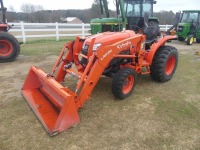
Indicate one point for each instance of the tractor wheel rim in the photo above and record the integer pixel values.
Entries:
(5, 48)
(170, 65)
(191, 40)
(128, 84)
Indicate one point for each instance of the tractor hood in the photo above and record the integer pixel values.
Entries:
(108, 38)
(106, 21)
(183, 29)
(184, 24)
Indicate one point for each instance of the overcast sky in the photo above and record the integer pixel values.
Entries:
(174, 5)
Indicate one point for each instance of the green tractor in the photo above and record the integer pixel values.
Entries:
(189, 26)
(130, 16)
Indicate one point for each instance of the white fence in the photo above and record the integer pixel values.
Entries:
(37, 30)
(165, 27)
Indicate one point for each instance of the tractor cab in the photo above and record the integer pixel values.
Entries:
(135, 12)
(189, 26)
(130, 16)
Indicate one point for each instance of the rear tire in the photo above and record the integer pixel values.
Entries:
(190, 39)
(164, 64)
(123, 83)
(9, 47)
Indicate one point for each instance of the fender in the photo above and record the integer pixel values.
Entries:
(160, 42)
(4, 27)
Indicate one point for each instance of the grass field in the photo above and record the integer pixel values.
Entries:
(157, 116)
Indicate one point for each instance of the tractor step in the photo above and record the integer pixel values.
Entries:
(53, 104)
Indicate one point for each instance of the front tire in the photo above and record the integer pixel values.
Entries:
(9, 47)
(123, 83)
(164, 64)
(190, 39)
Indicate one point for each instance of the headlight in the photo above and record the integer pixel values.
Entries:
(96, 46)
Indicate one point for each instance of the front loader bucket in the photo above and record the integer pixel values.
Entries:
(53, 104)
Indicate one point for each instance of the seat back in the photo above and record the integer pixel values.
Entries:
(151, 33)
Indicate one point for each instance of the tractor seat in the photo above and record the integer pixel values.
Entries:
(151, 33)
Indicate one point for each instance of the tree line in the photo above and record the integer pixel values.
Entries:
(37, 14)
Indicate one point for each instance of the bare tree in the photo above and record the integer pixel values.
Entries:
(165, 17)
(30, 10)
(56, 16)
(39, 14)
(39, 8)
(95, 9)
(11, 9)
(27, 8)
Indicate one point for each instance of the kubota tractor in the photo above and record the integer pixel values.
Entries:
(118, 55)
(9, 45)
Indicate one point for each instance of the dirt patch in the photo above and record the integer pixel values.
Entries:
(13, 74)
(184, 48)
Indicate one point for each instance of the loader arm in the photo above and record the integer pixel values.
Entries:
(73, 48)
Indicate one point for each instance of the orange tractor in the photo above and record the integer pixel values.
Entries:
(118, 55)
(9, 45)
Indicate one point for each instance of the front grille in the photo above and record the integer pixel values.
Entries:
(180, 28)
(106, 28)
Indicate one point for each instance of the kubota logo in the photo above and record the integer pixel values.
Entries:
(106, 54)
(120, 46)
